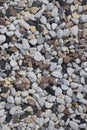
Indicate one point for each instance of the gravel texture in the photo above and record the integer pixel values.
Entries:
(43, 64)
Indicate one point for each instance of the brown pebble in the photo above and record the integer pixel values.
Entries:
(38, 112)
(44, 79)
(31, 102)
(1, 83)
(13, 49)
(57, 126)
(29, 120)
(16, 120)
(52, 80)
(66, 59)
(2, 21)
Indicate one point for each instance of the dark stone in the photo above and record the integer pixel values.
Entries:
(50, 90)
(4, 89)
(84, 2)
(61, 2)
(64, 67)
(8, 117)
(36, 24)
(2, 64)
(85, 79)
(54, 60)
(35, 109)
(26, 114)
(54, 108)
(37, 4)
(1, 14)
(7, 72)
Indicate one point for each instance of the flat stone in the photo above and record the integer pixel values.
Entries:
(32, 76)
(2, 39)
(73, 125)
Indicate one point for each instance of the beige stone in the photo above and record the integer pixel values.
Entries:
(27, 16)
(45, 31)
(33, 29)
(76, 15)
(34, 10)
(31, 37)
(29, 120)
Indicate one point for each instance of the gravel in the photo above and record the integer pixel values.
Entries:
(43, 65)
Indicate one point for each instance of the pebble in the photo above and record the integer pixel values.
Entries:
(18, 100)
(40, 39)
(24, 24)
(32, 76)
(58, 91)
(74, 30)
(10, 99)
(5, 127)
(38, 56)
(24, 94)
(54, 12)
(61, 108)
(33, 42)
(60, 33)
(57, 74)
(2, 112)
(48, 105)
(84, 18)
(2, 105)
(54, 25)
(43, 20)
(25, 44)
(73, 125)
(2, 39)
(13, 63)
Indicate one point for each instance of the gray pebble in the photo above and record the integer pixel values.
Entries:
(2, 39)
(25, 44)
(31, 75)
(10, 99)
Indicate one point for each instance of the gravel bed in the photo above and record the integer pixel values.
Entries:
(43, 64)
